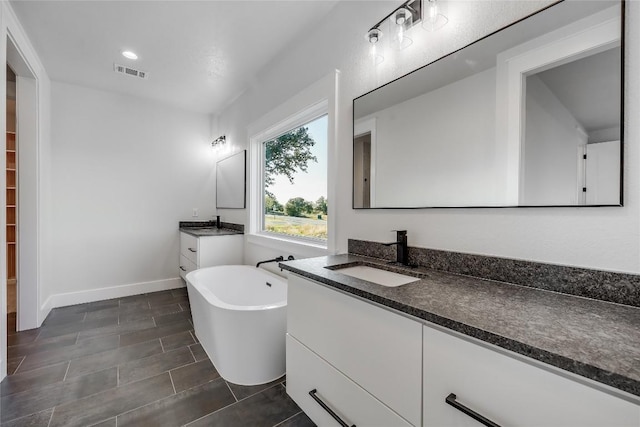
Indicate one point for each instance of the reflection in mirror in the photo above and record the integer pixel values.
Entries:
(573, 111)
(529, 116)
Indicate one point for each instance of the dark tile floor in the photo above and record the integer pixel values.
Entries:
(131, 361)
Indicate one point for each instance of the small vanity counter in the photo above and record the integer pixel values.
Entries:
(202, 244)
(209, 231)
(591, 338)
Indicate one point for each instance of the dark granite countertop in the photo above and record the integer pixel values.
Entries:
(595, 339)
(209, 231)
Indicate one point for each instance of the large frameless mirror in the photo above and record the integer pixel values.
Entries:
(528, 116)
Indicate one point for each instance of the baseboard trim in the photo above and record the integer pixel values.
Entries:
(45, 309)
(80, 297)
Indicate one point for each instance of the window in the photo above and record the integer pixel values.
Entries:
(302, 229)
(294, 182)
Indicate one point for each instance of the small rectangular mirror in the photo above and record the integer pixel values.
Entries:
(530, 115)
(231, 178)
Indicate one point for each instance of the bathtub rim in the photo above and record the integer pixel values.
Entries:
(212, 299)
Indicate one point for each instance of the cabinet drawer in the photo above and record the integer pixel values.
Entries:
(377, 349)
(186, 266)
(306, 371)
(189, 247)
(508, 391)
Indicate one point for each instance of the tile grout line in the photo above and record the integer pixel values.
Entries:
(172, 384)
(161, 346)
(256, 393)
(67, 371)
(191, 351)
(19, 364)
(168, 371)
(291, 417)
(157, 400)
(232, 393)
(51, 417)
(234, 403)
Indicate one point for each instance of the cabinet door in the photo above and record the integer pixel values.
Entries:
(377, 349)
(353, 405)
(220, 250)
(508, 391)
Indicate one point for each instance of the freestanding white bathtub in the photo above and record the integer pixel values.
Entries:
(239, 316)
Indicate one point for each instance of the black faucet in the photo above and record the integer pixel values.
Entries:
(277, 259)
(218, 223)
(402, 254)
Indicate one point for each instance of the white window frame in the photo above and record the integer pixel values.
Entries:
(310, 104)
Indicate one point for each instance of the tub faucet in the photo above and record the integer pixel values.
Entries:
(402, 253)
(277, 259)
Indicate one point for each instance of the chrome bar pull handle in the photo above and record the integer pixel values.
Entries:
(451, 400)
(335, 416)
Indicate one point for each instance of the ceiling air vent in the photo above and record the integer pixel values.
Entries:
(130, 71)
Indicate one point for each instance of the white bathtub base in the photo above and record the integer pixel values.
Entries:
(245, 344)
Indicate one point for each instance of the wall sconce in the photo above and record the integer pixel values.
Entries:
(428, 12)
(219, 142)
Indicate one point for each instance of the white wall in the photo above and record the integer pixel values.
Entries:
(606, 238)
(125, 171)
(426, 158)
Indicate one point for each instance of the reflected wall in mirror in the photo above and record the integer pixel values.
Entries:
(528, 116)
(231, 181)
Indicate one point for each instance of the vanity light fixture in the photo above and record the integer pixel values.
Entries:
(219, 142)
(399, 22)
(428, 12)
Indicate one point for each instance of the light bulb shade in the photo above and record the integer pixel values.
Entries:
(399, 24)
(434, 15)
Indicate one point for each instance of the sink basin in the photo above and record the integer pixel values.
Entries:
(378, 276)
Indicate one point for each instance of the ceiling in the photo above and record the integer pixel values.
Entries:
(199, 55)
(589, 88)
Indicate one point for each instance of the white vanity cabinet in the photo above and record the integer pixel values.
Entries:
(365, 363)
(509, 391)
(208, 251)
(373, 367)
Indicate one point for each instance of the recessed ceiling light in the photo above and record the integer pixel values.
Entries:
(129, 55)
